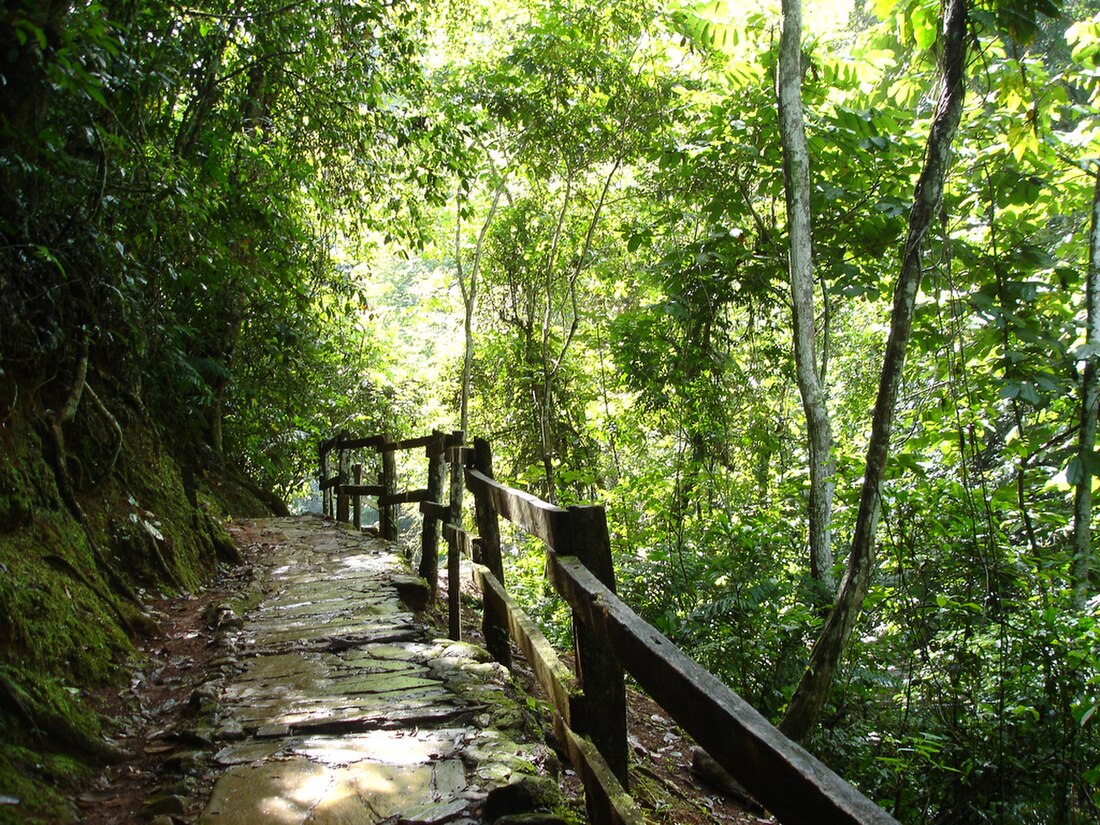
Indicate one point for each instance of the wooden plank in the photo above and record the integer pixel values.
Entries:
(601, 675)
(463, 539)
(541, 519)
(362, 443)
(782, 775)
(556, 679)
(356, 499)
(388, 513)
(605, 800)
(454, 586)
(407, 497)
(329, 483)
(458, 454)
(363, 489)
(407, 444)
(435, 510)
(343, 513)
(488, 527)
(429, 529)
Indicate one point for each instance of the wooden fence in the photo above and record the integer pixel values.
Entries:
(608, 637)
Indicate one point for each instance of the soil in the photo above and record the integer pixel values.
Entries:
(154, 722)
(153, 715)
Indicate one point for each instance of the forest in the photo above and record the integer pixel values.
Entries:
(806, 293)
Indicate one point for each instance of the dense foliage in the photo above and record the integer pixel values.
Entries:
(268, 220)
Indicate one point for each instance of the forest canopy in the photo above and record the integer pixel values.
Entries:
(838, 392)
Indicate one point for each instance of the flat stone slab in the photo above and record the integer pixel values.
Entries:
(344, 708)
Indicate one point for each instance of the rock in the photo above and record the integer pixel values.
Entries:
(434, 813)
(184, 762)
(413, 591)
(525, 795)
(164, 804)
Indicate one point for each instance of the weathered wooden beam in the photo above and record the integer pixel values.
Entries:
(488, 527)
(782, 775)
(356, 498)
(434, 510)
(323, 479)
(407, 444)
(601, 676)
(405, 497)
(456, 462)
(362, 489)
(458, 454)
(373, 441)
(547, 522)
(606, 802)
(388, 513)
(454, 587)
(556, 679)
(342, 501)
(429, 533)
(329, 483)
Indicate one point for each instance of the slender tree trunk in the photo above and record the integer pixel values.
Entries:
(796, 176)
(809, 697)
(1090, 394)
(469, 290)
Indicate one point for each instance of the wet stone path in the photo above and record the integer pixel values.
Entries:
(340, 706)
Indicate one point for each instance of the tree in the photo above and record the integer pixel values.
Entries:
(811, 376)
(812, 690)
(1090, 395)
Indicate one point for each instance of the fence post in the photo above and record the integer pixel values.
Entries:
(429, 538)
(341, 496)
(493, 626)
(601, 677)
(357, 500)
(454, 516)
(326, 492)
(388, 514)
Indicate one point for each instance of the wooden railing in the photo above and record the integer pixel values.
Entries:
(590, 706)
(348, 489)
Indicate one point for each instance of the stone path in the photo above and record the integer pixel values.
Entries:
(339, 706)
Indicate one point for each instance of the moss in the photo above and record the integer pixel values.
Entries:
(55, 614)
(38, 784)
(69, 582)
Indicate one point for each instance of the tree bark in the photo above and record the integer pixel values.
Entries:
(1090, 395)
(813, 688)
(796, 178)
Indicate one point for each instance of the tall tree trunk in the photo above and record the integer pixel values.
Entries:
(1090, 395)
(796, 178)
(809, 697)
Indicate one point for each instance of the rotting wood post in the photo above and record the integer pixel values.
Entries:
(454, 559)
(357, 500)
(493, 626)
(429, 538)
(601, 677)
(341, 496)
(388, 513)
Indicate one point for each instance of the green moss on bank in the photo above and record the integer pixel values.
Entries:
(72, 581)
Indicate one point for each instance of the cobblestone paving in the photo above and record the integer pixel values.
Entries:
(341, 707)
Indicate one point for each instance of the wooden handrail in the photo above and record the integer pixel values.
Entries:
(609, 638)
